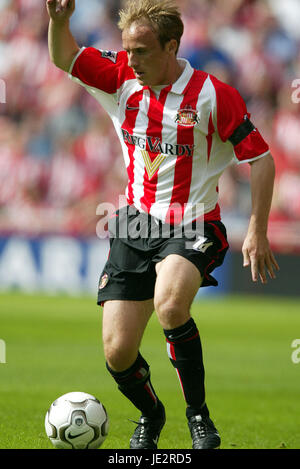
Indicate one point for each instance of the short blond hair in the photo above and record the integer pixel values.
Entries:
(163, 16)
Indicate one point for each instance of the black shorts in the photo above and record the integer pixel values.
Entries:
(138, 242)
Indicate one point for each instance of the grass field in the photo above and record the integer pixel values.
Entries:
(53, 346)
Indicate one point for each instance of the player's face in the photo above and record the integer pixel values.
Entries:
(152, 64)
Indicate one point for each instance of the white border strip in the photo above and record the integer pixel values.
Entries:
(251, 159)
(74, 60)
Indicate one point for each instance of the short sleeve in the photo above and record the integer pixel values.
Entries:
(233, 123)
(104, 70)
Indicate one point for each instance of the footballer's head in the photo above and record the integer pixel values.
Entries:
(151, 33)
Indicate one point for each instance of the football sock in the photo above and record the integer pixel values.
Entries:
(135, 384)
(185, 353)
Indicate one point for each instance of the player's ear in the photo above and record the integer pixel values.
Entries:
(172, 46)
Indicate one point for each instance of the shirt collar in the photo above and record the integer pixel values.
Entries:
(181, 84)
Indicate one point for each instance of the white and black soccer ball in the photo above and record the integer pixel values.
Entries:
(77, 420)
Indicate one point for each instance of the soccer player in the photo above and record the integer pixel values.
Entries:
(179, 129)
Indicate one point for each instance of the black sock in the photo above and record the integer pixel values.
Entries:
(185, 353)
(135, 384)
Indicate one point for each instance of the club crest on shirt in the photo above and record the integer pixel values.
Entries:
(187, 117)
(108, 54)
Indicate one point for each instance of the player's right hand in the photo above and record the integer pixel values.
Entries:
(60, 10)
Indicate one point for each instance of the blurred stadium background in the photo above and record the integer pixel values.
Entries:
(60, 158)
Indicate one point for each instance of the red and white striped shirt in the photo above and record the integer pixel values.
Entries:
(175, 144)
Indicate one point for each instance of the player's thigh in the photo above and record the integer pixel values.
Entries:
(123, 325)
(177, 283)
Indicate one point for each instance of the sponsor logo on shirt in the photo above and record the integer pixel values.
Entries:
(155, 145)
(152, 166)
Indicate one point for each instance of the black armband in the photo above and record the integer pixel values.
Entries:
(241, 132)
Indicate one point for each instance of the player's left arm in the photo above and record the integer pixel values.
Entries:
(233, 123)
(256, 249)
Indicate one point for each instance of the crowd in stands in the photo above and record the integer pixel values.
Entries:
(59, 155)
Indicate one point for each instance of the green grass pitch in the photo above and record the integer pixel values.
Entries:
(53, 346)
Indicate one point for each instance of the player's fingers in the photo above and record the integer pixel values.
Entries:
(66, 3)
(269, 267)
(271, 272)
(274, 262)
(246, 258)
(54, 6)
(51, 4)
(254, 268)
(261, 269)
(60, 8)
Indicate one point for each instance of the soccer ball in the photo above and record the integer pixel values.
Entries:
(77, 420)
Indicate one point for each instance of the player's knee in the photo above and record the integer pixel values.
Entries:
(171, 312)
(119, 354)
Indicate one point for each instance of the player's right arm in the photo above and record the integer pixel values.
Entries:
(62, 46)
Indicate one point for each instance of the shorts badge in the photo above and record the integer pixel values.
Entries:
(187, 117)
(103, 281)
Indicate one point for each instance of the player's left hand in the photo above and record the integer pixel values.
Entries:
(257, 254)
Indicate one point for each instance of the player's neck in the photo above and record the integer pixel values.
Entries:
(175, 70)
(179, 70)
